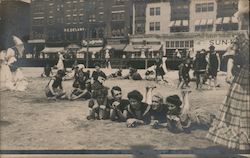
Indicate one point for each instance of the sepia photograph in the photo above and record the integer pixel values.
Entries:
(124, 78)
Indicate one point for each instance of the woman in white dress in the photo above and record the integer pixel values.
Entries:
(60, 65)
(11, 77)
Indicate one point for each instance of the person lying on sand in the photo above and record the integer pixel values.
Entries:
(117, 105)
(137, 111)
(133, 74)
(117, 74)
(54, 89)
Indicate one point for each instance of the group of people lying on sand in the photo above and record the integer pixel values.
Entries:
(156, 111)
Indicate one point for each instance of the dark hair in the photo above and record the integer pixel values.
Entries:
(135, 95)
(61, 72)
(115, 88)
(211, 47)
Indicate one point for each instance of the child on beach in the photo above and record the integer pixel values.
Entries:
(54, 89)
(98, 72)
(184, 77)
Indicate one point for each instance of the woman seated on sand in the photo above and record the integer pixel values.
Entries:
(82, 85)
(54, 89)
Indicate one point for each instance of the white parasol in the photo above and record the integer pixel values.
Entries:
(18, 45)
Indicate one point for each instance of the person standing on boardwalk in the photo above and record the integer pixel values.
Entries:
(213, 65)
(231, 127)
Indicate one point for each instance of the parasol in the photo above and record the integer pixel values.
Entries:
(18, 45)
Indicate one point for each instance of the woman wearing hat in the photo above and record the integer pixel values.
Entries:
(231, 127)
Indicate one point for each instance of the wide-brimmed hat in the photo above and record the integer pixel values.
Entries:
(80, 66)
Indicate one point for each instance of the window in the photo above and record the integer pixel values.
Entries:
(204, 7)
(167, 44)
(181, 43)
(120, 2)
(151, 26)
(210, 7)
(177, 43)
(157, 26)
(154, 26)
(118, 16)
(152, 10)
(172, 43)
(157, 11)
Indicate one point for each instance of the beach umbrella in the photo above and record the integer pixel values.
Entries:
(18, 45)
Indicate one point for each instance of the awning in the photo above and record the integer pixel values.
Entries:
(178, 23)
(203, 22)
(91, 49)
(116, 46)
(197, 22)
(171, 24)
(185, 22)
(210, 22)
(226, 20)
(139, 48)
(218, 21)
(234, 20)
(36, 41)
(73, 46)
(52, 49)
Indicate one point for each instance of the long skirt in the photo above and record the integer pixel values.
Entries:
(232, 127)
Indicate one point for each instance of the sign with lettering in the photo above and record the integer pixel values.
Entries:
(219, 44)
(74, 29)
(98, 42)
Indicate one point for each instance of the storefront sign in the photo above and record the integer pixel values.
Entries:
(219, 44)
(93, 42)
(75, 29)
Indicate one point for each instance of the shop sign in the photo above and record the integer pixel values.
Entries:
(75, 29)
(93, 42)
(219, 44)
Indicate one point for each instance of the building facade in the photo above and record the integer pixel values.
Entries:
(14, 20)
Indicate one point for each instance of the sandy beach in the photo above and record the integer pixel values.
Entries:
(28, 121)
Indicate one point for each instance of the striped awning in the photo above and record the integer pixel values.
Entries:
(177, 23)
(139, 48)
(115, 46)
(219, 21)
(234, 20)
(197, 22)
(184, 22)
(91, 49)
(52, 49)
(210, 22)
(226, 20)
(171, 23)
(203, 22)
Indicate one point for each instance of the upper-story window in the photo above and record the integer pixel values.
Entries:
(154, 26)
(155, 11)
(120, 2)
(204, 7)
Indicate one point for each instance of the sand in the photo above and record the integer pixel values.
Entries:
(30, 122)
